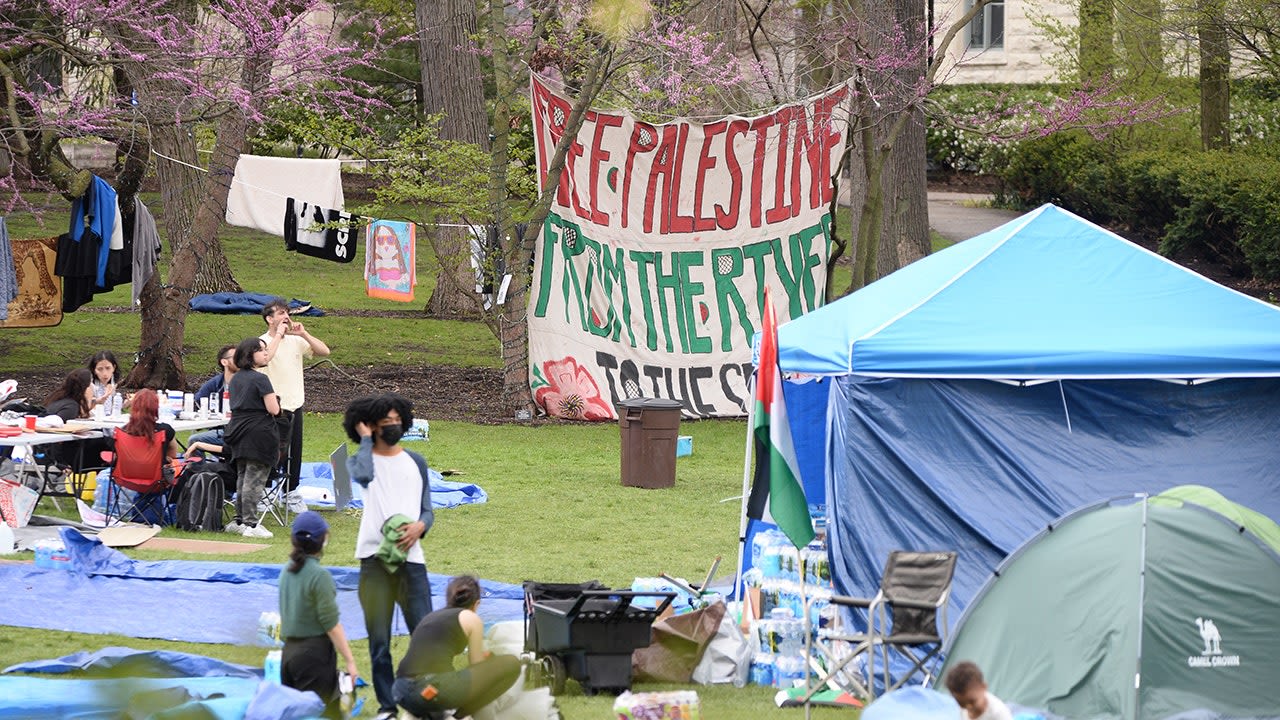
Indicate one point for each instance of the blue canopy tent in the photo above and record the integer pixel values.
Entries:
(975, 395)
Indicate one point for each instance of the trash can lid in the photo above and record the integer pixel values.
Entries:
(650, 403)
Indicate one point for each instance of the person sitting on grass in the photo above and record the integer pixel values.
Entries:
(968, 687)
(426, 683)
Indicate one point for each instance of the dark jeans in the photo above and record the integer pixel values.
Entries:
(380, 592)
(464, 691)
(312, 664)
(293, 449)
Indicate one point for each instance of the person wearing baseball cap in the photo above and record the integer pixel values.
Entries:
(313, 637)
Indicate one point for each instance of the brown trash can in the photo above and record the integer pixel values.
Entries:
(649, 428)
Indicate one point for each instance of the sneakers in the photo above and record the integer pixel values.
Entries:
(293, 500)
(256, 531)
(234, 528)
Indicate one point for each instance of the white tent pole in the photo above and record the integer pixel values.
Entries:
(746, 493)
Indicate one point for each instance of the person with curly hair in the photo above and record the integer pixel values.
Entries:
(397, 514)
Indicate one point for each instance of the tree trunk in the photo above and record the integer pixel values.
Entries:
(1215, 79)
(1097, 33)
(451, 84)
(195, 204)
(906, 217)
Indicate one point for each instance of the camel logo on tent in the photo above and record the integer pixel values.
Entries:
(1211, 655)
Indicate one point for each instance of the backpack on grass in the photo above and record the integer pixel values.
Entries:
(200, 501)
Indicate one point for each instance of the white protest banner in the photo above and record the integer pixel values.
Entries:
(650, 271)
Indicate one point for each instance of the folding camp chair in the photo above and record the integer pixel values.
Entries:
(903, 616)
(137, 464)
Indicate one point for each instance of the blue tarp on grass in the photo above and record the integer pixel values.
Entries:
(444, 493)
(126, 662)
(215, 698)
(187, 600)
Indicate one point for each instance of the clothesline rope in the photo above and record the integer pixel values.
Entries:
(276, 194)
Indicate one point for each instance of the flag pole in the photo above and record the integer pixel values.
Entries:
(746, 491)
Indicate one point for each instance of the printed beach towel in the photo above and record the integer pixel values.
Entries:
(389, 260)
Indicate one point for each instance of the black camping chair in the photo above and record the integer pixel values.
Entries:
(903, 617)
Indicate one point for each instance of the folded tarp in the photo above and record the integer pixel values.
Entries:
(216, 698)
(315, 484)
(212, 602)
(119, 662)
(246, 303)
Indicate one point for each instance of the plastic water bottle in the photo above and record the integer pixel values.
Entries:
(271, 667)
(347, 691)
(226, 403)
(762, 665)
(117, 405)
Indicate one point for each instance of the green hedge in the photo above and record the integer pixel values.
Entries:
(1220, 206)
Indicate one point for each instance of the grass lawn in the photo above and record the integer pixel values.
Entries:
(556, 509)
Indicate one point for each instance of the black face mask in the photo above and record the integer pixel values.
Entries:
(391, 434)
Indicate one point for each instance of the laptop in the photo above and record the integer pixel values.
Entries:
(341, 480)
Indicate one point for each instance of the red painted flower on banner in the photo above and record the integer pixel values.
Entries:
(571, 392)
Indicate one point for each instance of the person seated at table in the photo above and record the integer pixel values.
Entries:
(71, 400)
(426, 682)
(143, 423)
(211, 441)
(106, 375)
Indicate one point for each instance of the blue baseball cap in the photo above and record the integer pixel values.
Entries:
(310, 523)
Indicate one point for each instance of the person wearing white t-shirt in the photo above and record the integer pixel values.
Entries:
(969, 689)
(394, 481)
(289, 346)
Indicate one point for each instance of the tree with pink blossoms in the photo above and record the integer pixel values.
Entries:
(179, 85)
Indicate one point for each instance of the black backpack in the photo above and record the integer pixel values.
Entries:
(200, 501)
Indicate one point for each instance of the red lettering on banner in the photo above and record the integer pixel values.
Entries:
(677, 223)
(541, 98)
(729, 220)
(781, 210)
(644, 138)
(760, 126)
(705, 222)
(660, 171)
(599, 155)
(568, 197)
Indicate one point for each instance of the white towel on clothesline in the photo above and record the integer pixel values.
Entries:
(262, 184)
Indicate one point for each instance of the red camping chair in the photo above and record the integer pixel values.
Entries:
(138, 465)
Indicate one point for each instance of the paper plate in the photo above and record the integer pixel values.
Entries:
(7, 388)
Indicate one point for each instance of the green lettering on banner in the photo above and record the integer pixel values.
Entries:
(544, 280)
(802, 244)
(670, 282)
(690, 259)
(643, 260)
(726, 266)
(571, 246)
(593, 270)
(613, 274)
(802, 261)
(756, 252)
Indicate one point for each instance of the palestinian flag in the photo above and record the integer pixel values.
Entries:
(777, 476)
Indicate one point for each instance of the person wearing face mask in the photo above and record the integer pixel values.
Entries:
(393, 481)
(313, 637)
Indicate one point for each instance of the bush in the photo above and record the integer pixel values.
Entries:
(1220, 206)
(952, 146)
(1069, 169)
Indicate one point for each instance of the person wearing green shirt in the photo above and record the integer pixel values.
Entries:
(313, 637)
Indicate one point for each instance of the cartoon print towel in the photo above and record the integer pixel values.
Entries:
(389, 260)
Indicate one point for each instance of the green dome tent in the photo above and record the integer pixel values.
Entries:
(1142, 608)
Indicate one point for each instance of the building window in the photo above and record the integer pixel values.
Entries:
(986, 30)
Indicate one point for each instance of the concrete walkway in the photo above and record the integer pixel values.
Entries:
(960, 216)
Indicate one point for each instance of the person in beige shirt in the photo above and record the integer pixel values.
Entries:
(289, 346)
